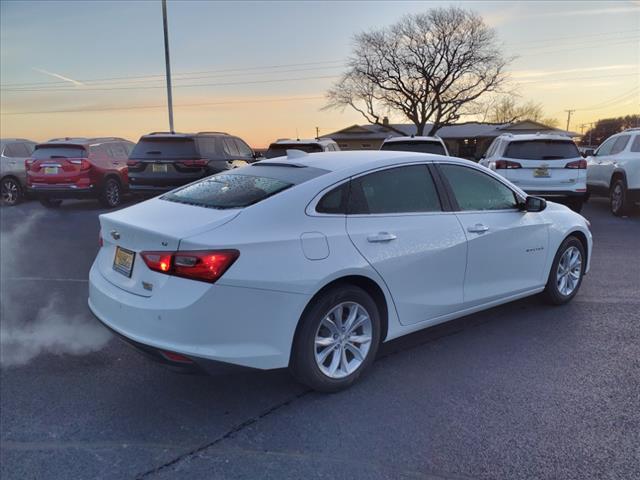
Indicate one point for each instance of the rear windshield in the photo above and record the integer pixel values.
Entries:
(165, 148)
(420, 147)
(280, 149)
(228, 191)
(542, 150)
(47, 152)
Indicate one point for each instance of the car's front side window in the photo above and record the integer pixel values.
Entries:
(475, 190)
(620, 144)
(605, 148)
(635, 146)
(408, 189)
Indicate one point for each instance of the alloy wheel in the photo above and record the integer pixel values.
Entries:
(113, 193)
(10, 192)
(616, 197)
(343, 340)
(569, 271)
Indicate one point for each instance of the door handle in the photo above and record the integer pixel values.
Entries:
(477, 228)
(381, 237)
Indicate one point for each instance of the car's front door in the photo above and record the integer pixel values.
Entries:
(396, 222)
(597, 165)
(507, 248)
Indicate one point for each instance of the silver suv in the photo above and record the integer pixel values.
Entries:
(13, 153)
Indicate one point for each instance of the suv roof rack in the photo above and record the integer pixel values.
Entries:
(633, 129)
(85, 139)
(214, 133)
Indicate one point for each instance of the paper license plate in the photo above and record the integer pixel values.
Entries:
(50, 170)
(123, 261)
(159, 168)
(541, 172)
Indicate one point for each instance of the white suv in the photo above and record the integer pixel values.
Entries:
(614, 170)
(546, 165)
(316, 145)
(415, 144)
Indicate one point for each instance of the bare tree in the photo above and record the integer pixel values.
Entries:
(427, 68)
(507, 110)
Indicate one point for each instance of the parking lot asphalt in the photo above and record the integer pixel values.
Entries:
(524, 390)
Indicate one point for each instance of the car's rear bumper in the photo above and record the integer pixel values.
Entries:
(207, 323)
(61, 191)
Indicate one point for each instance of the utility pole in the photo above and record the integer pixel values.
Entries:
(569, 112)
(167, 64)
(317, 133)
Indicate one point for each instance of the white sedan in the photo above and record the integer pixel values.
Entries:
(311, 261)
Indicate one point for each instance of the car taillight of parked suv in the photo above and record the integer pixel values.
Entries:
(79, 168)
(162, 161)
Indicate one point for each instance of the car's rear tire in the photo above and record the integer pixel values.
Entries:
(619, 200)
(337, 339)
(566, 272)
(111, 193)
(11, 191)
(50, 202)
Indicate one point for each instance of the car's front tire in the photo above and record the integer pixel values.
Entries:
(337, 339)
(11, 191)
(618, 198)
(566, 272)
(111, 194)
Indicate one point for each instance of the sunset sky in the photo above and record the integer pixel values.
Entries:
(260, 69)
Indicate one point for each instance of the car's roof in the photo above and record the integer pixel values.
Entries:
(4, 140)
(82, 140)
(355, 160)
(509, 137)
(414, 138)
(183, 135)
(303, 141)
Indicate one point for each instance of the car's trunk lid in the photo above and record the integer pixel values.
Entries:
(155, 225)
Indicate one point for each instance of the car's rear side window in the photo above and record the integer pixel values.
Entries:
(420, 147)
(228, 191)
(620, 144)
(635, 146)
(47, 152)
(406, 189)
(161, 148)
(335, 201)
(542, 150)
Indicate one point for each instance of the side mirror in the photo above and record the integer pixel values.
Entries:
(534, 204)
(589, 152)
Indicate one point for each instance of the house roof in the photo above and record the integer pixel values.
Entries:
(460, 130)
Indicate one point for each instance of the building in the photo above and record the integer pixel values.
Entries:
(466, 140)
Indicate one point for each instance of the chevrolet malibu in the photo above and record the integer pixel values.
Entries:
(311, 261)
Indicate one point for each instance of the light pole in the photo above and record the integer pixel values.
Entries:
(167, 64)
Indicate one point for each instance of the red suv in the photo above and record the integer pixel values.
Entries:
(79, 168)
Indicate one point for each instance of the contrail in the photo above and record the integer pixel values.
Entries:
(57, 75)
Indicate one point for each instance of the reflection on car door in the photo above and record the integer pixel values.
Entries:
(507, 247)
(396, 222)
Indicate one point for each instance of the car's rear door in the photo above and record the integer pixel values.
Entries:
(396, 221)
(507, 247)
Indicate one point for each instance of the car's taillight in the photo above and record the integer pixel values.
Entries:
(506, 164)
(132, 163)
(194, 163)
(203, 265)
(581, 164)
(27, 163)
(100, 241)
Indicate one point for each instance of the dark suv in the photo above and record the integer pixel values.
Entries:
(79, 168)
(162, 161)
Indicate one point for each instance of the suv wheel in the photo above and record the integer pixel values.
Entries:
(50, 202)
(566, 272)
(337, 339)
(111, 195)
(11, 191)
(618, 198)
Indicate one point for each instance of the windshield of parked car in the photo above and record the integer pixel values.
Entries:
(542, 150)
(228, 191)
(415, 146)
(163, 148)
(48, 152)
(280, 149)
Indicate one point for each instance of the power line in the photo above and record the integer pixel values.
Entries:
(161, 75)
(150, 107)
(572, 37)
(555, 79)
